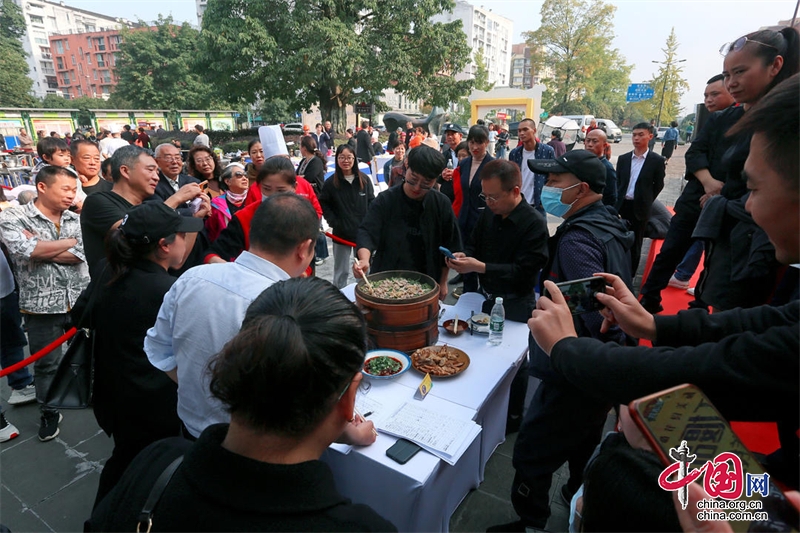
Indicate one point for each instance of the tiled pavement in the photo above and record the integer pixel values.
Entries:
(51, 486)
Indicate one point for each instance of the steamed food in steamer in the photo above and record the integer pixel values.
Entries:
(396, 289)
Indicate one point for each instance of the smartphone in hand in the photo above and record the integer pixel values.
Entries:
(579, 294)
(447, 253)
(697, 445)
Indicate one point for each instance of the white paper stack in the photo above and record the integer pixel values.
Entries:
(440, 434)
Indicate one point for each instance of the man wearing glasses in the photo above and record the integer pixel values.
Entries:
(507, 250)
(406, 225)
(171, 176)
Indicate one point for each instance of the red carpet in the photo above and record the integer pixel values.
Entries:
(759, 437)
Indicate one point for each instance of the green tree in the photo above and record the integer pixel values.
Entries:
(481, 72)
(333, 53)
(575, 43)
(157, 68)
(668, 86)
(14, 80)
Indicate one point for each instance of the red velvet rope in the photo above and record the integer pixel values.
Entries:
(340, 240)
(41, 353)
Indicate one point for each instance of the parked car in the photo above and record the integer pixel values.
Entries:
(583, 121)
(612, 130)
(660, 133)
(293, 127)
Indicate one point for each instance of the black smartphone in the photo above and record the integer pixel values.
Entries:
(447, 253)
(579, 294)
(689, 434)
(402, 451)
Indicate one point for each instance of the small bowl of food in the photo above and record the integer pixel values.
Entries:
(480, 323)
(460, 328)
(385, 364)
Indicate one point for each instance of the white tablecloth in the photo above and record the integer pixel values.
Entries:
(422, 494)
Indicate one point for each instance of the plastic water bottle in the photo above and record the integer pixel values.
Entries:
(496, 322)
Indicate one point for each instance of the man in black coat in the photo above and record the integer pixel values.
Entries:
(171, 177)
(640, 178)
(364, 150)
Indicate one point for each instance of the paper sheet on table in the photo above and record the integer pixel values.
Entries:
(374, 410)
(442, 435)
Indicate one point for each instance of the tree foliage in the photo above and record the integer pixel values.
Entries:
(668, 85)
(333, 52)
(15, 85)
(157, 68)
(574, 42)
(481, 72)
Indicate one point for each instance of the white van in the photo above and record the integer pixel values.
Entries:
(583, 121)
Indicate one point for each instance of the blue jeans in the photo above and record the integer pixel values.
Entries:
(12, 341)
(500, 152)
(686, 269)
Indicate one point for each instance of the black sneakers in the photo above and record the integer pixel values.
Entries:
(48, 429)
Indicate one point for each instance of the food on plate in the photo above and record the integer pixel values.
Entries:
(481, 319)
(396, 288)
(438, 360)
(383, 365)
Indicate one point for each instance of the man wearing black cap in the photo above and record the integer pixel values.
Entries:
(453, 133)
(564, 423)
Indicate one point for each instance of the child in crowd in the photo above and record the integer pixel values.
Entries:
(55, 151)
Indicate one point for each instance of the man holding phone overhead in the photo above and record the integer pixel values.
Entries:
(563, 423)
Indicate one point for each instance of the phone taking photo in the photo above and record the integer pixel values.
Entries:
(579, 294)
(693, 440)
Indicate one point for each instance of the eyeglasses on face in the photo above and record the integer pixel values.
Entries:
(238, 175)
(170, 158)
(346, 158)
(204, 160)
(739, 43)
(418, 183)
(488, 199)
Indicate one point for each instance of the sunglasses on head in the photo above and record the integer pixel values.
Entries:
(739, 43)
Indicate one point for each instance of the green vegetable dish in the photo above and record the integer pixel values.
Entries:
(382, 365)
(397, 288)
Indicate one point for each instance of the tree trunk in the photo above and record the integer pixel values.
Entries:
(335, 112)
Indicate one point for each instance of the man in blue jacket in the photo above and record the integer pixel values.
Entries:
(531, 149)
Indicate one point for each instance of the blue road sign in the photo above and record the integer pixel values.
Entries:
(638, 92)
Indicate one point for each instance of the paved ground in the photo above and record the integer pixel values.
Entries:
(51, 486)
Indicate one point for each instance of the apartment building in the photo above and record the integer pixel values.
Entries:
(485, 31)
(84, 63)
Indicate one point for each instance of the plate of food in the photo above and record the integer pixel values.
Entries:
(480, 323)
(440, 361)
(385, 364)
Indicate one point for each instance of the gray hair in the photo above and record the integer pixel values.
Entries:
(160, 148)
(25, 197)
(127, 156)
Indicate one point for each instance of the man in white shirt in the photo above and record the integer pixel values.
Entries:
(204, 309)
(640, 178)
(530, 150)
(109, 145)
(201, 138)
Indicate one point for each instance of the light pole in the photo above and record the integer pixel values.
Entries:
(664, 87)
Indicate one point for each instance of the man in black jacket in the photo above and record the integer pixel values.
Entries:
(640, 178)
(727, 354)
(364, 150)
(406, 225)
(704, 178)
(171, 177)
(453, 133)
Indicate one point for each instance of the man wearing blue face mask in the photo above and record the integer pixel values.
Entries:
(564, 423)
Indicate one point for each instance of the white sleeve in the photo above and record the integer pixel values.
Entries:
(158, 341)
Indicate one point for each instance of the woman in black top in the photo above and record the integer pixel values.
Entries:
(204, 165)
(134, 402)
(312, 167)
(344, 200)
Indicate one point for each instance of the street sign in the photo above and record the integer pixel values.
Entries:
(364, 109)
(639, 92)
(501, 116)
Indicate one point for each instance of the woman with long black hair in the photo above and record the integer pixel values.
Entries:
(345, 199)
(134, 402)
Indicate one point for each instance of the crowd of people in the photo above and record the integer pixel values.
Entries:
(198, 284)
